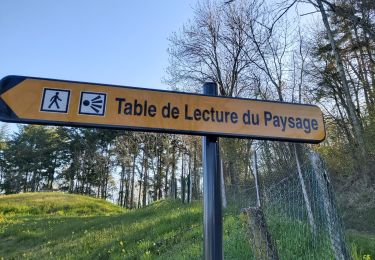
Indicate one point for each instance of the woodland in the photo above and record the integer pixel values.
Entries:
(266, 50)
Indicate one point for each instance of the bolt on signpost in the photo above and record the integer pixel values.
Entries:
(213, 223)
(79, 104)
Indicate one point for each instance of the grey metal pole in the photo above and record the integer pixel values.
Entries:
(213, 225)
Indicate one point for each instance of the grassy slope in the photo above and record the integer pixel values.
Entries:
(78, 227)
(54, 204)
(62, 226)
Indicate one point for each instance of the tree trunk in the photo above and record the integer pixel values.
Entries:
(33, 182)
(166, 175)
(189, 181)
(140, 181)
(25, 182)
(173, 176)
(166, 188)
(51, 174)
(196, 178)
(145, 182)
(132, 183)
(159, 177)
(223, 194)
(357, 126)
(305, 195)
(121, 189)
(255, 173)
(182, 179)
(127, 187)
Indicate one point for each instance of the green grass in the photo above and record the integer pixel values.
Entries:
(362, 244)
(163, 230)
(63, 226)
(294, 241)
(54, 203)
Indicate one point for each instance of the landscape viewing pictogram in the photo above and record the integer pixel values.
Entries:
(92, 103)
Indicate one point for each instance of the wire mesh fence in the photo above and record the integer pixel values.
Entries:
(297, 216)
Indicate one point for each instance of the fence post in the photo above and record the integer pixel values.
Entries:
(334, 225)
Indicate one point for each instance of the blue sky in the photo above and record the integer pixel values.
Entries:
(113, 41)
(121, 42)
(106, 41)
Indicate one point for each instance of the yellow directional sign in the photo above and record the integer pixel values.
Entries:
(57, 102)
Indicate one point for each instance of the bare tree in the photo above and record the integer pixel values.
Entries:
(212, 47)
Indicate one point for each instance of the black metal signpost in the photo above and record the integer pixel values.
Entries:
(212, 214)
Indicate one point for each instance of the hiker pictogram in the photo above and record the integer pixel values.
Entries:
(55, 100)
(92, 103)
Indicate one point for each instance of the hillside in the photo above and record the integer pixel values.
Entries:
(54, 204)
(65, 226)
(71, 226)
